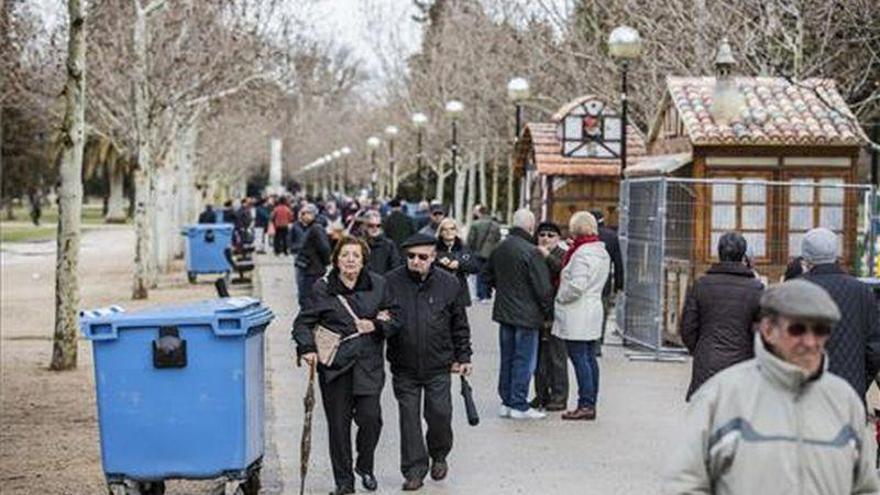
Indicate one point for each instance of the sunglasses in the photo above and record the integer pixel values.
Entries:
(421, 256)
(374, 225)
(437, 213)
(798, 329)
(547, 234)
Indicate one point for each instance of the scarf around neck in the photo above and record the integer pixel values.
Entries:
(578, 242)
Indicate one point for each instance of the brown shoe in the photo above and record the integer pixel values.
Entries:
(412, 484)
(580, 414)
(439, 469)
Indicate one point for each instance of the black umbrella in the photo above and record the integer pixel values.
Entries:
(468, 394)
(305, 446)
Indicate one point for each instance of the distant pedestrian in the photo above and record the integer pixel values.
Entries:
(719, 313)
(397, 225)
(483, 236)
(614, 285)
(794, 269)
(208, 215)
(281, 218)
(351, 386)
(384, 255)
(551, 375)
(433, 341)
(523, 301)
(261, 225)
(314, 255)
(778, 423)
(422, 215)
(854, 346)
(578, 309)
(437, 216)
(455, 257)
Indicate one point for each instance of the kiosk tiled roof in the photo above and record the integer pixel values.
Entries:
(777, 112)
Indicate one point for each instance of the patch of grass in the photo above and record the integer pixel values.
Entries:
(91, 214)
(28, 233)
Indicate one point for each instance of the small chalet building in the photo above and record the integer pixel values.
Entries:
(572, 163)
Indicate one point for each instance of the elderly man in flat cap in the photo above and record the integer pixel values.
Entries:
(435, 340)
(779, 423)
(854, 346)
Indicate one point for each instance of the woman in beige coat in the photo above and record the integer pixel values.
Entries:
(578, 310)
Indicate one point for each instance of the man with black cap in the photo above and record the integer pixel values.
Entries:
(778, 423)
(437, 216)
(854, 346)
(434, 341)
(397, 225)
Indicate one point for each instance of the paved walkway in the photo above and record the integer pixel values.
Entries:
(641, 404)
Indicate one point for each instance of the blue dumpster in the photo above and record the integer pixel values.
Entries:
(206, 246)
(180, 391)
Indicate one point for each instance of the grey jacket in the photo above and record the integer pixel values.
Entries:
(764, 426)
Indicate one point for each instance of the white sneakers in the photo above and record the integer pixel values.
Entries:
(506, 412)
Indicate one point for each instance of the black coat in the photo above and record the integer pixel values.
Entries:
(854, 345)
(467, 264)
(384, 255)
(717, 319)
(519, 274)
(434, 326)
(608, 237)
(208, 216)
(398, 226)
(314, 255)
(364, 354)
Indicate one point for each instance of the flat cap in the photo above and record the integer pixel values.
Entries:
(418, 239)
(820, 246)
(801, 299)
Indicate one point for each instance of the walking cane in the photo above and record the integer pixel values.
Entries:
(305, 446)
(470, 408)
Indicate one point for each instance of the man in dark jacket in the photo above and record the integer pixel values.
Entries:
(523, 302)
(854, 346)
(437, 216)
(398, 226)
(314, 256)
(434, 340)
(719, 311)
(208, 216)
(384, 255)
(551, 375)
(483, 236)
(608, 236)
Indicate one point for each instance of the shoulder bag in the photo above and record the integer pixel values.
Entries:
(328, 341)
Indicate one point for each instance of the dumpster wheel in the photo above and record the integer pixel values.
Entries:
(137, 488)
(191, 276)
(251, 485)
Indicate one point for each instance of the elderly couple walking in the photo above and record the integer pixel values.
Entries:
(528, 298)
(418, 310)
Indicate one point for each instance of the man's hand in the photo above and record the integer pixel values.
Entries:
(383, 315)
(462, 368)
(310, 358)
(453, 264)
(365, 326)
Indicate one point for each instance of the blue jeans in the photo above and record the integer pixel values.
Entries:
(483, 290)
(519, 351)
(583, 356)
(304, 283)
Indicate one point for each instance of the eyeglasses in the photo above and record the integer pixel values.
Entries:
(421, 256)
(798, 329)
(374, 225)
(437, 213)
(547, 234)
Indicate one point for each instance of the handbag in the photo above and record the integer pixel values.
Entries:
(327, 341)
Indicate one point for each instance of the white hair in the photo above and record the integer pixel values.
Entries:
(524, 219)
(583, 223)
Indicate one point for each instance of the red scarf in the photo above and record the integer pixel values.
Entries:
(578, 242)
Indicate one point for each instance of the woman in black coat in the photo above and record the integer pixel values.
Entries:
(352, 384)
(454, 256)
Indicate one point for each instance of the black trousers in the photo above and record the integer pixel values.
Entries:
(281, 240)
(435, 392)
(341, 406)
(551, 375)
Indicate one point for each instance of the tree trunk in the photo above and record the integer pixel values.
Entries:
(441, 181)
(143, 173)
(116, 203)
(164, 222)
(483, 199)
(495, 170)
(70, 196)
(510, 180)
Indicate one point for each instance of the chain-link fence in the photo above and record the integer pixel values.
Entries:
(670, 228)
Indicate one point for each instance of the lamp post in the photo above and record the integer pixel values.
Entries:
(345, 152)
(517, 92)
(373, 144)
(335, 172)
(419, 120)
(625, 45)
(391, 131)
(453, 111)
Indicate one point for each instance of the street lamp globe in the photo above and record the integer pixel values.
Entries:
(345, 150)
(337, 154)
(454, 109)
(391, 131)
(624, 43)
(518, 89)
(328, 158)
(373, 142)
(419, 119)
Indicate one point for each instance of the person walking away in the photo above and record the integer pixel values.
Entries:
(719, 312)
(433, 341)
(422, 216)
(609, 238)
(208, 215)
(398, 225)
(578, 309)
(551, 374)
(523, 301)
(281, 218)
(437, 216)
(483, 236)
(261, 224)
(778, 423)
(854, 346)
(351, 385)
(455, 257)
(314, 255)
(384, 255)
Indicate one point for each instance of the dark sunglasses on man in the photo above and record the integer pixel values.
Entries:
(798, 328)
(421, 256)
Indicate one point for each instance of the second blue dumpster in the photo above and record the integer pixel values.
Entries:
(180, 390)
(205, 249)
